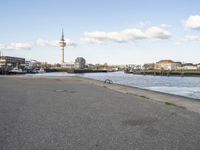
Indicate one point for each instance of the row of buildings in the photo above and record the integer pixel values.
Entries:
(20, 63)
(11, 61)
(8, 63)
(171, 65)
(80, 63)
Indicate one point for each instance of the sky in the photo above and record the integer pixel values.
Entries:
(101, 31)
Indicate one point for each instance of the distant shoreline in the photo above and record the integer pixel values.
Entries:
(185, 73)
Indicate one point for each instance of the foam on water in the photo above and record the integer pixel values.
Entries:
(191, 92)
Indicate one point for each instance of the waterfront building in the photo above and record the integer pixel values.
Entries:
(178, 66)
(167, 65)
(90, 66)
(149, 66)
(189, 66)
(67, 65)
(31, 64)
(12, 62)
(79, 63)
(198, 66)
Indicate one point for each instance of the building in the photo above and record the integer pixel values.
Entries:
(177, 66)
(167, 65)
(31, 64)
(189, 66)
(150, 66)
(12, 62)
(198, 66)
(132, 68)
(67, 65)
(90, 66)
(79, 63)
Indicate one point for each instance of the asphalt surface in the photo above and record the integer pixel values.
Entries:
(67, 114)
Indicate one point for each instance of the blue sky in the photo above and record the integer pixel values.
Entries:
(112, 31)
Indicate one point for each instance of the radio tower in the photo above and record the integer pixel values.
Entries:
(62, 45)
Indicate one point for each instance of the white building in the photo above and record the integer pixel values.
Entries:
(198, 66)
(67, 65)
(189, 66)
(167, 65)
(31, 64)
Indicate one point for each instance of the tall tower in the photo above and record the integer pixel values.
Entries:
(62, 45)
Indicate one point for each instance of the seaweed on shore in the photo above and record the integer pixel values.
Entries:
(175, 105)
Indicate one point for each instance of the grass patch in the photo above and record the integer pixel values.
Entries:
(172, 104)
(142, 96)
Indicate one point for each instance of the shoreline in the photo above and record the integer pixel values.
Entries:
(190, 104)
(82, 72)
(149, 90)
(185, 73)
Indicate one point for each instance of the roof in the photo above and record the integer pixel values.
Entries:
(188, 64)
(9, 57)
(166, 61)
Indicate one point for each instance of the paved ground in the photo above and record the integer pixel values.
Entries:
(35, 114)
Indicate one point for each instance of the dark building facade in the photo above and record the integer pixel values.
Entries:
(11, 61)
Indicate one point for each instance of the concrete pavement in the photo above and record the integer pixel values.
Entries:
(66, 113)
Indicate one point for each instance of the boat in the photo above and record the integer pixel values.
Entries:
(41, 70)
(16, 71)
(37, 70)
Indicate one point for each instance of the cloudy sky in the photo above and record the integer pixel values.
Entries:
(112, 31)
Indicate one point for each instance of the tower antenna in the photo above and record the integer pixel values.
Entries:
(62, 37)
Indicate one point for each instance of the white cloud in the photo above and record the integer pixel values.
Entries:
(193, 22)
(165, 26)
(40, 42)
(94, 37)
(70, 43)
(16, 46)
(158, 33)
(132, 34)
(127, 35)
(191, 39)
